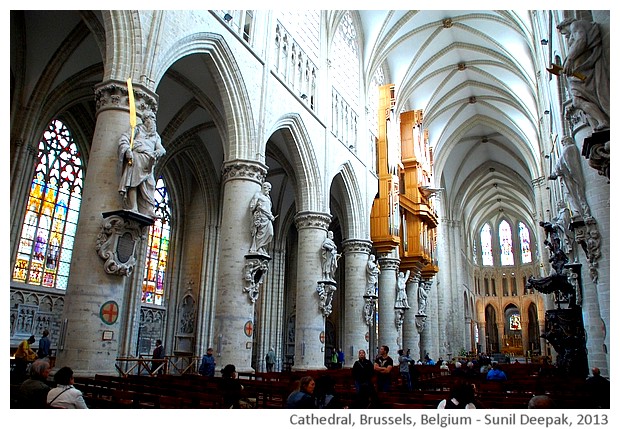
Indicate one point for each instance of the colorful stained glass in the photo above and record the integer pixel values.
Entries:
(153, 285)
(46, 237)
(505, 239)
(487, 248)
(524, 237)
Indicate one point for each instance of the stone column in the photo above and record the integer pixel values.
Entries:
(482, 332)
(411, 329)
(309, 319)
(233, 324)
(388, 332)
(355, 328)
(500, 332)
(95, 300)
(411, 336)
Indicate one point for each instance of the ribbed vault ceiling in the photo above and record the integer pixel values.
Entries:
(471, 72)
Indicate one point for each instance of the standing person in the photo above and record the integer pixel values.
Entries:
(158, 356)
(334, 359)
(340, 358)
(23, 356)
(262, 220)
(44, 345)
(270, 359)
(33, 392)
(363, 371)
(137, 160)
(64, 395)
(207, 365)
(403, 366)
(383, 368)
(304, 396)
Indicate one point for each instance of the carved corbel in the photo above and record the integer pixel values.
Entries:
(256, 266)
(116, 243)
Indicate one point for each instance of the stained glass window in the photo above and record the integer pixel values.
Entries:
(485, 240)
(524, 237)
(50, 222)
(515, 322)
(505, 239)
(158, 248)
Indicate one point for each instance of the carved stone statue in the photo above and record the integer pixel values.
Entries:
(586, 70)
(401, 291)
(137, 160)
(568, 169)
(330, 256)
(562, 223)
(422, 298)
(372, 276)
(262, 220)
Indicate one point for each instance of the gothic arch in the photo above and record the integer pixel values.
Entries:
(352, 203)
(239, 141)
(309, 183)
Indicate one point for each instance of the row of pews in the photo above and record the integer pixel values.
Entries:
(270, 390)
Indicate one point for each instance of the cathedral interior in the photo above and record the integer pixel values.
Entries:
(433, 180)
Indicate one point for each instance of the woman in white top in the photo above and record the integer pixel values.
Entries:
(64, 395)
(462, 395)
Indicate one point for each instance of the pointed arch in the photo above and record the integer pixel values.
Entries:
(239, 136)
(309, 183)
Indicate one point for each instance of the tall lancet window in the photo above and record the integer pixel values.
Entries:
(505, 239)
(50, 222)
(524, 237)
(485, 244)
(158, 248)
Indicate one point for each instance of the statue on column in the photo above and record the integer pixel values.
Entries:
(568, 169)
(372, 276)
(586, 71)
(330, 257)
(562, 223)
(401, 291)
(262, 220)
(137, 159)
(422, 298)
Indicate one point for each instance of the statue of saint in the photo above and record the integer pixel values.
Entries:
(422, 298)
(586, 71)
(372, 276)
(330, 257)
(137, 161)
(262, 220)
(401, 291)
(568, 169)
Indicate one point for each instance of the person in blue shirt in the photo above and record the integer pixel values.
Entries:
(496, 373)
(44, 345)
(207, 366)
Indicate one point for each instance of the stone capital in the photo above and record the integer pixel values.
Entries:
(312, 220)
(354, 245)
(242, 169)
(113, 95)
(389, 263)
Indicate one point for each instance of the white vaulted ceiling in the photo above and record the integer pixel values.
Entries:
(472, 74)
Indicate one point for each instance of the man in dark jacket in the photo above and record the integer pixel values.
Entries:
(362, 371)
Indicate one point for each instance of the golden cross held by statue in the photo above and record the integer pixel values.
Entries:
(556, 70)
(132, 114)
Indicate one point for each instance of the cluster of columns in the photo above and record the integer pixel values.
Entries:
(90, 342)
